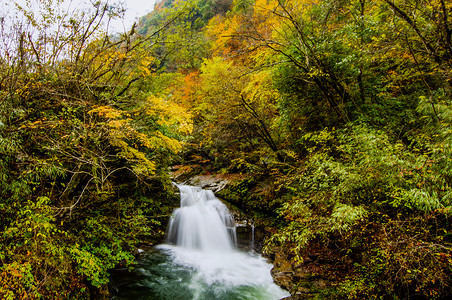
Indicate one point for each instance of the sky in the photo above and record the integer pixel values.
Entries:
(135, 10)
(9, 15)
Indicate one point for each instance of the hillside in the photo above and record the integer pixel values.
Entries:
(331, 119)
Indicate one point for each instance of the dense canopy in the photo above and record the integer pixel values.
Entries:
(331, 119)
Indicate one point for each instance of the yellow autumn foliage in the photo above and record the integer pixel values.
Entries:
(106, 111)
(170, 114)
(124, 135)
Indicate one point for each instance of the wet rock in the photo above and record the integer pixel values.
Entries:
(282, 271)
(283, 279)
(300, 279)
(210, 182)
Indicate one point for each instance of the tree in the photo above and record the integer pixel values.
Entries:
(76, 137)
(235, 107)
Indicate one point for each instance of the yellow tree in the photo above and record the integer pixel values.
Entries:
(237, 107)
(81, 147)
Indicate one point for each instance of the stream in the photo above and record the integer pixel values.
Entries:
(200, 260)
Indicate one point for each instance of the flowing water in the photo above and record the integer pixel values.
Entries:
(200, 260)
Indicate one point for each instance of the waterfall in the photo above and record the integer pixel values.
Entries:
(200, 260)
(252, 237)
(202, 222)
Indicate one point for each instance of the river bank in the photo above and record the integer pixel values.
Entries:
(303, 279)
(199, 259)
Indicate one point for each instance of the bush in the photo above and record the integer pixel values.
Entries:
(378, 203)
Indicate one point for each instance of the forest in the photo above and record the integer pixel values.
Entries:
(331, 119)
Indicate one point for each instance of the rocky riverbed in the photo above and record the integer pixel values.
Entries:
(300, 279)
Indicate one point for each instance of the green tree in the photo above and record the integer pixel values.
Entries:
(84, 153)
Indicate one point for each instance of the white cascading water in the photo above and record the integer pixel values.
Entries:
(202, 222)
(202, 237)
